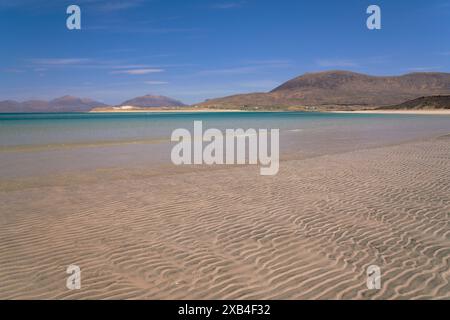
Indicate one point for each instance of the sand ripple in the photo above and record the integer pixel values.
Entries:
(308, 233)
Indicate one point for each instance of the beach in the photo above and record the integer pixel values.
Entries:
(370, 196)
(220, 157)
(404, 112)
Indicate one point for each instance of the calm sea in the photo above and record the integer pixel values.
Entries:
(50, 142)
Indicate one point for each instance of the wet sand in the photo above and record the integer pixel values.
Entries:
(309, 232)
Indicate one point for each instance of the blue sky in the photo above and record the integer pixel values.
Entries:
(193, 50)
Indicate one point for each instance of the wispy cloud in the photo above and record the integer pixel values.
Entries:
(137, 71)
(60, 61)
(130, 66)
(117, 66)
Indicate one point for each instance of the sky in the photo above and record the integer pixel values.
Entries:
(194, 50)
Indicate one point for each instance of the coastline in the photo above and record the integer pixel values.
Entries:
(204, 110)
(404, 112)
(194, 110)
(158, 110)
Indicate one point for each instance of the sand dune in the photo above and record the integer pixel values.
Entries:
(309, 232)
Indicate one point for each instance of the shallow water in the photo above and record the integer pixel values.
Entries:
(36, 144)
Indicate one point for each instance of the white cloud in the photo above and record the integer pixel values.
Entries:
(137, 71)
(60, 61)
(130, 66)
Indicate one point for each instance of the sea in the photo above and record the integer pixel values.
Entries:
(34, 144)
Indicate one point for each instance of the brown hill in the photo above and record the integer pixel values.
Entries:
(432, 102)
(152, 101)
(342, 90)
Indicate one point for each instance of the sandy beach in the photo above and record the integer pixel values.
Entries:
(404, 112)
(162, 110)
(309, 232)
(193, 110)
(230, 152)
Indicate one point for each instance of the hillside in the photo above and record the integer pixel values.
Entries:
(341, 90)
(422, 103)
(152, 101)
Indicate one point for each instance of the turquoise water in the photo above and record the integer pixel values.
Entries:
(58, 128)
(45, 143)
(35, 129)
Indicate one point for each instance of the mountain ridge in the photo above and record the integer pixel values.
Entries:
(69, 103)
(149, 100)
(322, 91)
(339, 89)
(61, 104)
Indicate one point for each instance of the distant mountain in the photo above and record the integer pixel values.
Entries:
(431, 102)
(341, 90)
(10, 106)
(62, 104)
(75, 104)
(152, 101)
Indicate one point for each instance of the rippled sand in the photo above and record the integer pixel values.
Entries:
(309, 232)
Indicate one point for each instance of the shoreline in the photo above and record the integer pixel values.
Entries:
(156, 110)
(415, 112)
(404, 112)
